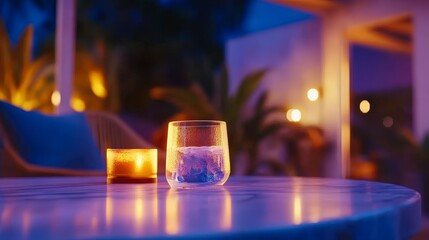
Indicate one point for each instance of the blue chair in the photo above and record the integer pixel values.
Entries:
(35, 144)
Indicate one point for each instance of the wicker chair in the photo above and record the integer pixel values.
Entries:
(109, 132)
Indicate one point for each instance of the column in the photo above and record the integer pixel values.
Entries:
(421, 71)
(65, 52)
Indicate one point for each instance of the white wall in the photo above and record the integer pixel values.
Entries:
(421, 71)
(292, 54)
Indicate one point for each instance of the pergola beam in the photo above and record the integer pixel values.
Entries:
(369, 37)
(312, 6)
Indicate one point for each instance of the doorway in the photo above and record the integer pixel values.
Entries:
(381, 140)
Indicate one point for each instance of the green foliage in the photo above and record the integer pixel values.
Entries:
(24, 82)
(236, 102)
(244, 133)
(29, 83)
(255, 129)
(191, 100)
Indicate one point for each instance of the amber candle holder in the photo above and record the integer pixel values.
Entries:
(132, 165)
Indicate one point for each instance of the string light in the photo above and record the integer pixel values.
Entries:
(56, 98)
(364, 106)
(313, 94)
(293, 115)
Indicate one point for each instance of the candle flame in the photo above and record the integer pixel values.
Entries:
(139, 162)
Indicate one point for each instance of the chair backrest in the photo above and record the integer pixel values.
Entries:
(109, 131)
(13, 165)
(8, 168)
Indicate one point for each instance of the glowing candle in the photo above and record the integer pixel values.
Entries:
(132, 165)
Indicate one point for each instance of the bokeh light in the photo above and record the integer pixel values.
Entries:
(293, 115)
(313, 94)
(56, 98)
(97, 83)
(364, 106)
(77, 104)
(388, 121)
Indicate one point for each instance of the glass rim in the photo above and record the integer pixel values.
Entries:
(197, 121)
(131, 149)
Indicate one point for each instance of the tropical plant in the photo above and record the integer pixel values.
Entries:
(29, 83)
(244, 133)
(255, 129)
(25, 82)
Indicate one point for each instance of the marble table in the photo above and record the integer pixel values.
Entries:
(246, 207)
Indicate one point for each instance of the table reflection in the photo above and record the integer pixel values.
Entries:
(213, 210)
(73, 208)
(6, 213)
(125, 209)
(172, 213)
(138, 209)
(134, 209)
(309, 205)
(297, 208)
(226, 220)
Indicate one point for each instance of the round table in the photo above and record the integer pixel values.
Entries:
(246, 207)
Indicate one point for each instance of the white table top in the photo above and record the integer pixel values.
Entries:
(247, 207)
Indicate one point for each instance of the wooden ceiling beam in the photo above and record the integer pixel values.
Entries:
(312, 6)
(399, 27)
(371, 38)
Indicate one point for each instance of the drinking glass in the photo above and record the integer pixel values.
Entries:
(197, 154)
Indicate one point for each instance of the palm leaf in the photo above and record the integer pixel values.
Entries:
(22, 55)
(261, 112)
(44, 99)
(261, 102)
(191, 100)
(247, 87)
(269, 129)
(39, 69)
(223, 88)
(260, 115)
(43, 86)
(6, 65)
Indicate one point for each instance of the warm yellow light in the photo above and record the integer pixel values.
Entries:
(139, 162)
(132, 165)
(172, 213)
(297, 208)
(364, 106)
(313, 94)
(293, 115)
(27, 105)
(109, 209)
(78, 104)
(226, 219)
(18, 98)
(97, 83)
(139, 209)
(154, 208)
(56, 98)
